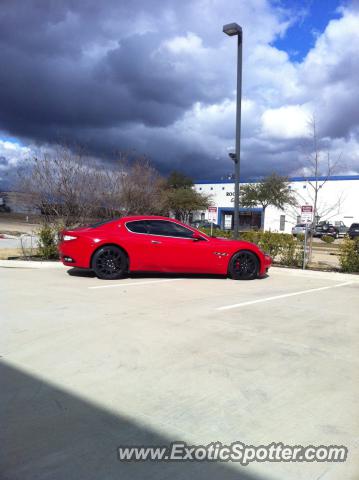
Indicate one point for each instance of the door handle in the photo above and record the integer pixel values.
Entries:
(156, 242)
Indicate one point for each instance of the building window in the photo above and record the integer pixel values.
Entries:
(298, 219)
(282, 223)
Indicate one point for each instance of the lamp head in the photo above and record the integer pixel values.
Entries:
(232, 29)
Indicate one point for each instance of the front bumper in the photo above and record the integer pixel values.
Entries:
(267, 262)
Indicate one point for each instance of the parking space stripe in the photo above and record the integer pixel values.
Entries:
(285, 295)
(134, 284)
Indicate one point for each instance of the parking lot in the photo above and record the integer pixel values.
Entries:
(89, 365)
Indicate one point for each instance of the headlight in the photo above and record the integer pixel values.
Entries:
(67, 238)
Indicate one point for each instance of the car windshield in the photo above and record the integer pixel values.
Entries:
(355, 225)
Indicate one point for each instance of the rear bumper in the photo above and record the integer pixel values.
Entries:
(74, 254)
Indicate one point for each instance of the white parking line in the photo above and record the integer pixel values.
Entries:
(285, 295)
(134, 284)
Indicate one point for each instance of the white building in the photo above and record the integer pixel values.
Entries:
(338, 200)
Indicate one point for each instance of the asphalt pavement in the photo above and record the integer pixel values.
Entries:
(89, 365)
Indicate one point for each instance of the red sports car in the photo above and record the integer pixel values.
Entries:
(158, 244)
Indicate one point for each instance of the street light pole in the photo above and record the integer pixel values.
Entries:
(233, 29)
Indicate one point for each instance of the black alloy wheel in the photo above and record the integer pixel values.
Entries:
(244, 266)
(110, 263)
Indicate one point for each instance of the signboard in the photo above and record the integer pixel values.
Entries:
(306, 214)
(212, 214)
(227, 222)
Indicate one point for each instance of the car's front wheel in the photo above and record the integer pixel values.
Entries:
(244, 265)
(110, 263)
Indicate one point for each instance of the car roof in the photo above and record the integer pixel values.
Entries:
(145, 217)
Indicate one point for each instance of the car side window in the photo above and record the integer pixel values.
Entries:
(137, 227)
(168, 229)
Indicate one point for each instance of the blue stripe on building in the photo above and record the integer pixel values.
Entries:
(290, 179)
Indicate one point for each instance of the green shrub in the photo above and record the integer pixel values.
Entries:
(349, 255)
(252, 236)
(217, 233)
(282, 247)
(327, 238)
(47, 243)
(300, 237)
(291, 251)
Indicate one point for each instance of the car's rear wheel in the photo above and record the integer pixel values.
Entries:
(110, 263)
(244, 265)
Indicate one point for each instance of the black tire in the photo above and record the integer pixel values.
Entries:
(244, 265)
(110, 263)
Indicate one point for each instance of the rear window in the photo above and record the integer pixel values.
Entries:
(103, 222)
(354, 225)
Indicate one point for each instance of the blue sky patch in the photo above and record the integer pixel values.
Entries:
(313, 17)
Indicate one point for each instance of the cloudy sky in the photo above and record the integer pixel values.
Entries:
(158, 77)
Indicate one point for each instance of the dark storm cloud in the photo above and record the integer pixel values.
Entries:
(120, 75)
(69, 67)
(3, 161)
(75, 71)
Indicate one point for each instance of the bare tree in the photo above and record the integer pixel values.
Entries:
(64, 185)
(71, 188)
(319, 168)
(140, 188)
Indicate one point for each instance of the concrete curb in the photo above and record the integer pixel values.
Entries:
(30, 264)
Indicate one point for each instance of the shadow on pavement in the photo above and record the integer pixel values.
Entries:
(48, 433)
(81, 272)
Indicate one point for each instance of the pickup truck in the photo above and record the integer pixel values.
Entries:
(341, 227)
(336, 229)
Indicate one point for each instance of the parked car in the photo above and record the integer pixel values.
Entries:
(341, 227)
(300, 228)
(3, 206)
(205, 224)
(353, 231)
(114, 248)
(326, 228)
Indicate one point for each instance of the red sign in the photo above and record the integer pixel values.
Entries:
(307, 213)
(307, 209)
(212, 209)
